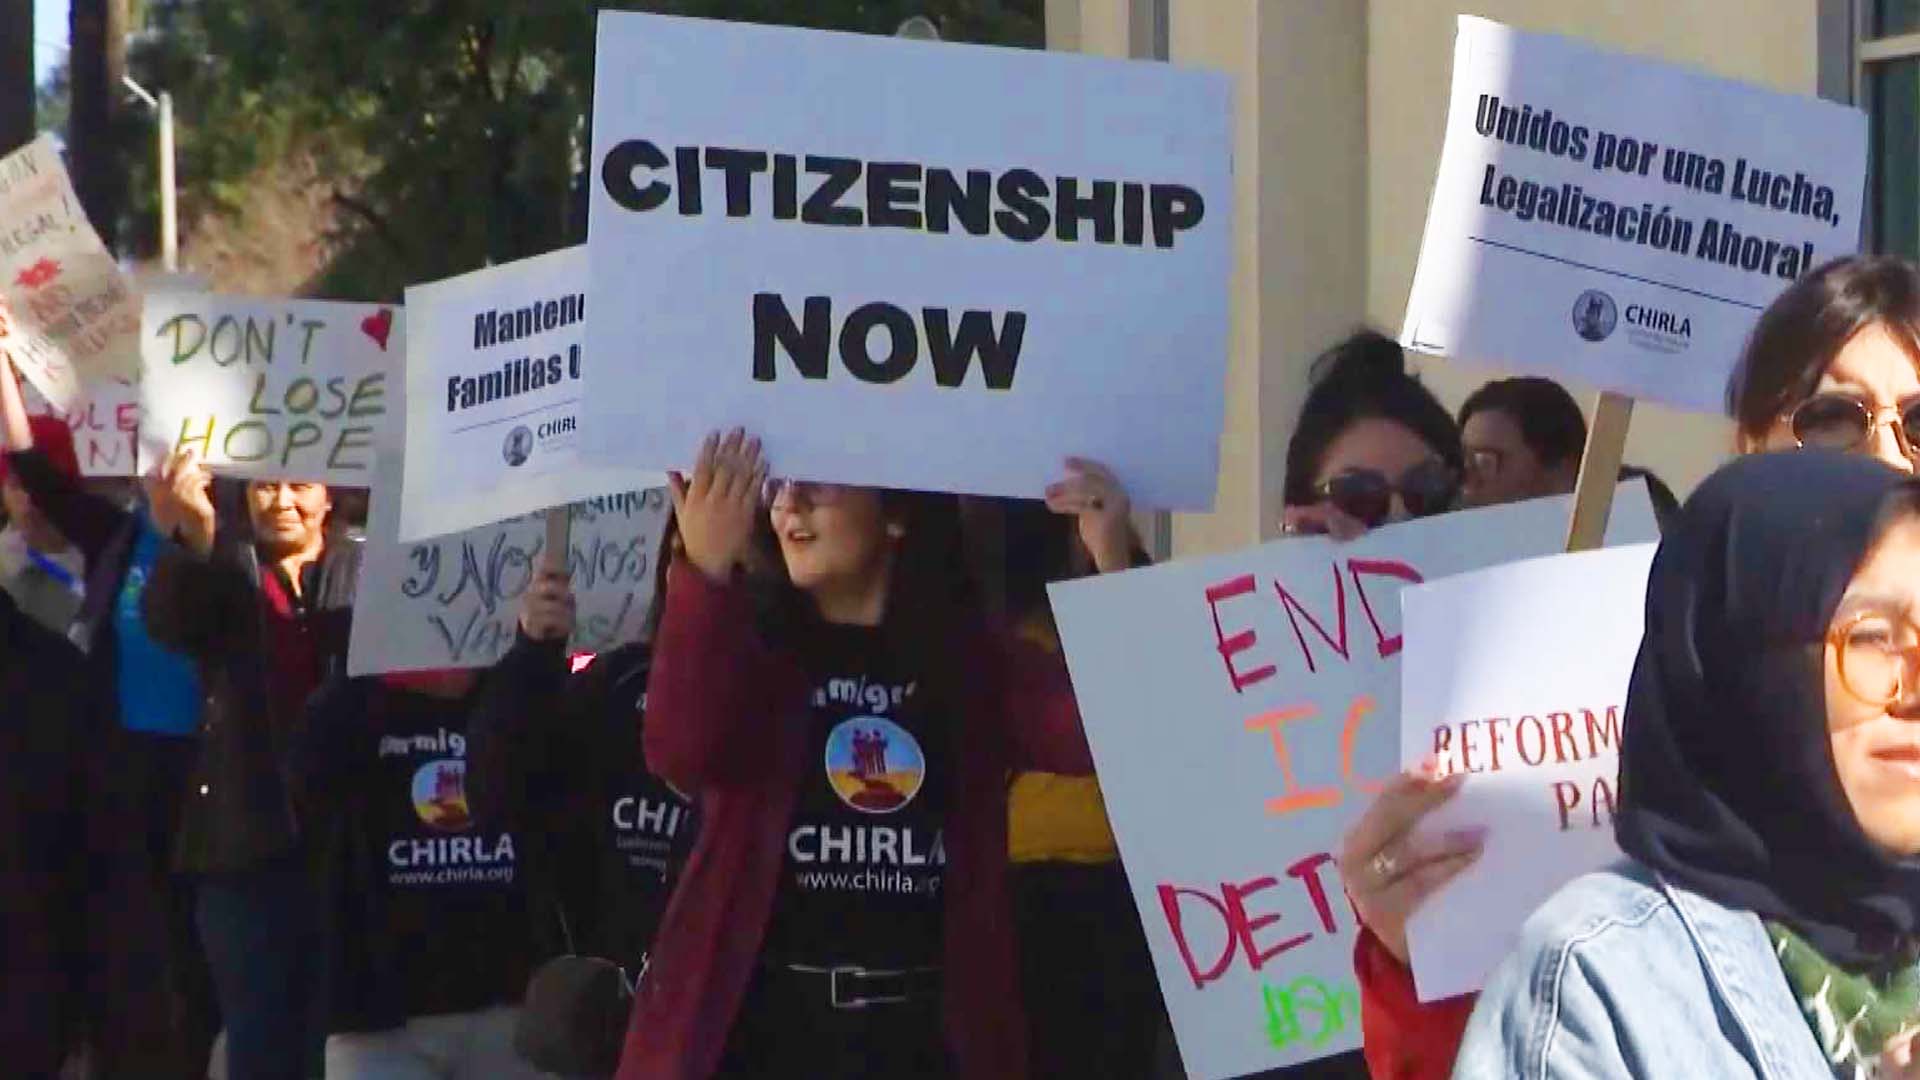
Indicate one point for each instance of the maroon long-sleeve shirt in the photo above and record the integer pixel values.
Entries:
(726, 720)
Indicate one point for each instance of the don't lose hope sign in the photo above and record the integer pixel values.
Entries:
(907, 264)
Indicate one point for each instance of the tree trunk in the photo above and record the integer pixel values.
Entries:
(16, 74)
(98, 52)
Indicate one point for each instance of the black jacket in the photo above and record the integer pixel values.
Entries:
(103, 532)
(239, 814)
(558, 759)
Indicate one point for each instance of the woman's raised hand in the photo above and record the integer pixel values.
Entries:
(1094, 496)
(719, 507)
(180, 500)
(1389, 871)
(1322, 519)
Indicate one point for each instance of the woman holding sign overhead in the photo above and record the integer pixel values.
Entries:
(1833, 363)
(262, 605)
(1766, 919)
(848, 739)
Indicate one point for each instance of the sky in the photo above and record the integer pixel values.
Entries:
(49, 36)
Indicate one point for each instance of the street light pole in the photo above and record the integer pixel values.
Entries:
(169, 208)
(918, 28)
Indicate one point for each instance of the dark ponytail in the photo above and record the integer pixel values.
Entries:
(1364, 377)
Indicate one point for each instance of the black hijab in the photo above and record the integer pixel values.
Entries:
(1727, 781)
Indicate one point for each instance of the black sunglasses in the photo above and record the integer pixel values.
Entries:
(1834, 421)
(1367, 494)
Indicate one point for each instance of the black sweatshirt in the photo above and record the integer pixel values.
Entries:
(426, 907)
(557, 758)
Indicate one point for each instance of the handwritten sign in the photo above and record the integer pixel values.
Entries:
(267, 389)
(67, 314)
(1243, 710)
(949, 292)
(453, 601)
(1621, 221)
(1529, 705)
(495, 367)
(104, 420)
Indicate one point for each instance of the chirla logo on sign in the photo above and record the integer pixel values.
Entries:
(519, 446)
(1595, 315)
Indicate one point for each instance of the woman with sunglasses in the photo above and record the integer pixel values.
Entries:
(1764, 921)
(848, 737)
(1833, 363)
(1372, 446)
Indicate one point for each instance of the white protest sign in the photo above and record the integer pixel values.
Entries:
(907, 264)
(66, 311)
(1620, 221)
(1242, 710)
(1530, 708)
(104, 420)
(267, 389)
(494, 375)
(454, 601)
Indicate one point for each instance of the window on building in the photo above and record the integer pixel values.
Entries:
(1889, 89)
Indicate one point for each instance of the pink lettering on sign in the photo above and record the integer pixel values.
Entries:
(1238, 643)
(1237, 918)
(1335, 641)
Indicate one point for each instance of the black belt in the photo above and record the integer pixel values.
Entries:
(850, 986)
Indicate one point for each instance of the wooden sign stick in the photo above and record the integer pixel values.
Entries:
(559, 538)
(1599, 471)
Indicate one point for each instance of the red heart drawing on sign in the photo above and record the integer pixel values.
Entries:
(378, 326)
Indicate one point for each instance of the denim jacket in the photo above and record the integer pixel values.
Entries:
(1623, 973)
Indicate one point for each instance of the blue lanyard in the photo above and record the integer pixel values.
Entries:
(54, 570)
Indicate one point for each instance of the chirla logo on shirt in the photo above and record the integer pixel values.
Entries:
(440, 794)
(874, 765)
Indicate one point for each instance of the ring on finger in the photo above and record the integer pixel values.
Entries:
(1384, 867)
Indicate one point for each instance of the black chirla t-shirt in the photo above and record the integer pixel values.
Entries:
(865, 852)
(648, 832)
(451, 892)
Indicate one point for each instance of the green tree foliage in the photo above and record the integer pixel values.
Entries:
(450, 131)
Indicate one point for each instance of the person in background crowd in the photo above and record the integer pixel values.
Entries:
(428, 941)
(263, 607)
(44, 715)
(558, 758)
(1087, 980)
(1764, 920)
(848, 741)
(1523, 438)
(1834, 363)
(79, 564)
(1372, 444)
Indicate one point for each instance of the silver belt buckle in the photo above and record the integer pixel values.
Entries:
(838, 1001)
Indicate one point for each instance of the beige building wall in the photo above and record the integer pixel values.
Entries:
(1410, 59)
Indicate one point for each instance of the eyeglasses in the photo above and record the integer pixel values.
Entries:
(1877, 656)
(1367, 495)
(1833, 421)
(806, 491)
(1485, 462)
